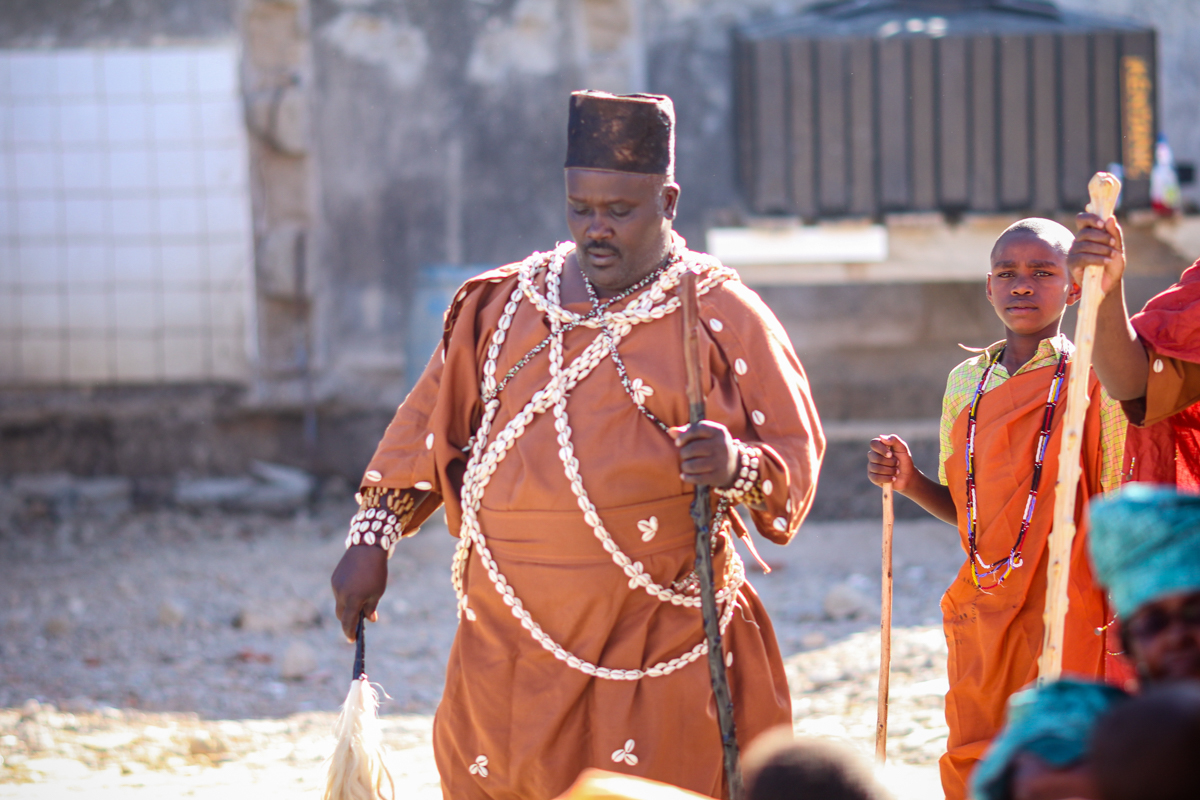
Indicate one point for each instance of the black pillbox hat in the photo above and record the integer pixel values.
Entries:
(622, 133)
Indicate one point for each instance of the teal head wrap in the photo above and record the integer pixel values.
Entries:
(1053, 722)
(1145, 543)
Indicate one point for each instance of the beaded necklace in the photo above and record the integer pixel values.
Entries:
(487, 453)
(631, 389)
(1013, 559)
(597, 311)
(610, 340)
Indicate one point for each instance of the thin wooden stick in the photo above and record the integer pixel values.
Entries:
(885, 629)
(1103, 189)
(702, 517)
(691, 346)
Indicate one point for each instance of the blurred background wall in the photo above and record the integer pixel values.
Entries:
(228, 227)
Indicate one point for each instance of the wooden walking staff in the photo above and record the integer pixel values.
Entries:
(1103, 189)
(702, 517)
(885, 629)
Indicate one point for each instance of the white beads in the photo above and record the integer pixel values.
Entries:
(625, 754)
(767, 487)
(423, 486)
(374, 525)
(739, 366)
(486, 457)
(716, 325)
(780, 524)
(758, 417)
(429, 442)
(641, 391)
(373, 475)
(746, 475)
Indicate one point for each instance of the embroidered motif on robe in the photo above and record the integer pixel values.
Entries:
(995, 637)
(535, 722)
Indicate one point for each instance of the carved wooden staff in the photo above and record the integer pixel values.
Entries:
(885, 629)
(702, 517)
(1103, 189)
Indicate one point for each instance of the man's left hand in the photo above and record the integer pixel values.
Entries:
(707, 454)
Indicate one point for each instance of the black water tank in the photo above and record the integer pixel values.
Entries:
(864, 107)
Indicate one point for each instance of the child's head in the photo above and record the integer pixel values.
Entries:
(1146, 749)
(1029, 284)
(1041, 753)
(778, 767)
(1145, 545)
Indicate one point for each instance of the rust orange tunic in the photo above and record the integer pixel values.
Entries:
(995, 637)
(514, 722)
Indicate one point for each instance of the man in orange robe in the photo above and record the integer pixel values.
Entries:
(550, 424)
(1151, 363)
(992, 612)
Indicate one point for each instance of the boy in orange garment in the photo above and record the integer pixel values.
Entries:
(1000, 432)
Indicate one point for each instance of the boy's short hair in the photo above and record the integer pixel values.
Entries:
(1049, 231)
(1146, 749)
(778, 767)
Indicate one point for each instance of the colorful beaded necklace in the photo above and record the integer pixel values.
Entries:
(1013, 559)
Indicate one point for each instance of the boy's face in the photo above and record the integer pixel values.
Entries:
(1029, 285)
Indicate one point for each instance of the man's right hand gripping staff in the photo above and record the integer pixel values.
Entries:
(889, 460)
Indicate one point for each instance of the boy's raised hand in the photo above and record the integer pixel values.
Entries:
(1098, 243)
(890, 461)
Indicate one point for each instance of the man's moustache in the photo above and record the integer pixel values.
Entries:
(599, 249)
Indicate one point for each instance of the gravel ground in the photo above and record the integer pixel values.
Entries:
(197, 655)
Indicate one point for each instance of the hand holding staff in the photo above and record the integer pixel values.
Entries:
(1103, 189)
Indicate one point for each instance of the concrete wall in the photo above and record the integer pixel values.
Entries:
(457, 114)
(424, 133)
(388, 137)
(440, 133)
(76, 23)
(441, 136)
